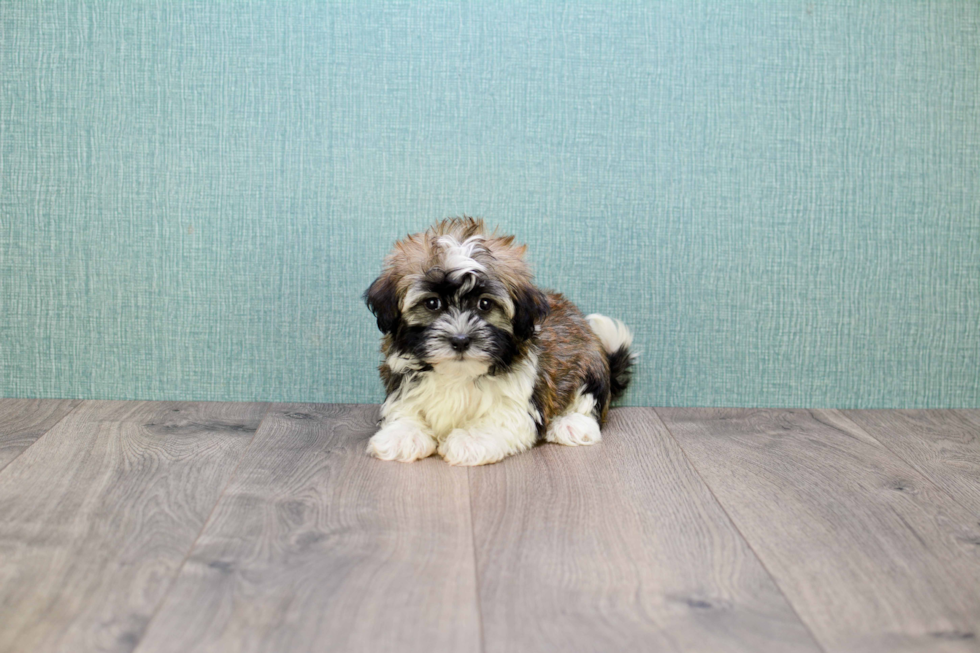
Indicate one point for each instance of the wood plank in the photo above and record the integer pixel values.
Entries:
(942, 445)
(22, 421)
(315, 546)
(96, 517)
(872, 555)
(618, 547)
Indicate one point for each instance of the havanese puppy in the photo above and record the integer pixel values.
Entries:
(479, 364)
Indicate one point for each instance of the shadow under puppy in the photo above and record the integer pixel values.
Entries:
(478, 362)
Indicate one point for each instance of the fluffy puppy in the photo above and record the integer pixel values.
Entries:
(479, 364)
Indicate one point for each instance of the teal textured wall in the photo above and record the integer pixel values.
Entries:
(783, 199)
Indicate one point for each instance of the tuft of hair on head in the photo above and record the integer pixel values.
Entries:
(616, 339)
(460, 228)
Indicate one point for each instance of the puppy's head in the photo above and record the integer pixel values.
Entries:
(456, 299)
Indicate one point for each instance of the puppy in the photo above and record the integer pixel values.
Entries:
(478, 363)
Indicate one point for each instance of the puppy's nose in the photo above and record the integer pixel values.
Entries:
(460, 342)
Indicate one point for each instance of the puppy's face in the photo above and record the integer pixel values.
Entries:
(462, 322)
(455, 300)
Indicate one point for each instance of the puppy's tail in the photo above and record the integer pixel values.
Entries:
(616, 339)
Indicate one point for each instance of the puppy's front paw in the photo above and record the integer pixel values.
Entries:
(402, 441)
(471, 448)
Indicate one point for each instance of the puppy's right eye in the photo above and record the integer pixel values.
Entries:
(433, 303)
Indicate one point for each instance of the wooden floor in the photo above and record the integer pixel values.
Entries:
(183, 527)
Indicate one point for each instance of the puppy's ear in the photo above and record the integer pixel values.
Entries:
(382, 299)
(530, 307)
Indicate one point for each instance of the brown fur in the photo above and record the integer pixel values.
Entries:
(568, 351)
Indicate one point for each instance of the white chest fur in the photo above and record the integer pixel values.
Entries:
(455, 397)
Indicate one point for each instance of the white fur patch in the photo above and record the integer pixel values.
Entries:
(462, 371)
(576, 426)
(487, 417)
(411, 298)
(401, 440)
(475, 447)
(574, 430)
(459, 259)
(612, 333)
(401, 363)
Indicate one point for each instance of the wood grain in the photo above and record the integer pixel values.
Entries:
(22, 421)
(618, 547)
(871, 554)
(317, 547)
(96, 517)
(943, 445)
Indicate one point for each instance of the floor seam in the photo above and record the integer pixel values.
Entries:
(967, 413)
(738, 530)
(914, 467)
(48, 430)
(190, 549)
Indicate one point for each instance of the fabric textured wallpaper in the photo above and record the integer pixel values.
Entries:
(782, 199)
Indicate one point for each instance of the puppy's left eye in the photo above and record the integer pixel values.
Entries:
(485, 304)
(433, 304)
